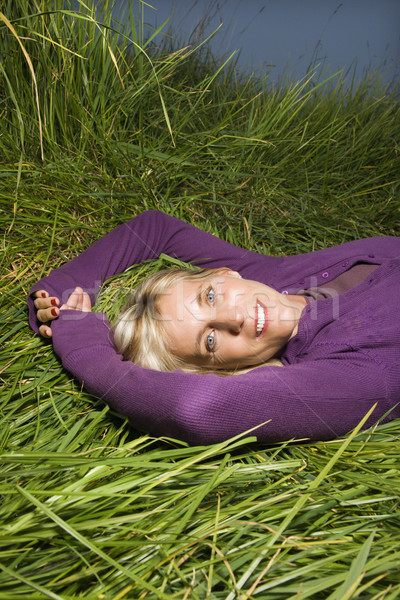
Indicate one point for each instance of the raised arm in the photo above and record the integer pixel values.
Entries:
(313, 400)
(142, 238)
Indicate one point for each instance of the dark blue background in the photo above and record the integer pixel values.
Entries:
(276, 35)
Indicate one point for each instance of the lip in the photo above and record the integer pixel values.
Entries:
(264, 329)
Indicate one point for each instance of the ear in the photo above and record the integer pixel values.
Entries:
(231, 273)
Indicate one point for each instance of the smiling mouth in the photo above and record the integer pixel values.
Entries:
(261, 323)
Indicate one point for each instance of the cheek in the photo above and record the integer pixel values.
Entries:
(174, 338)
(181, 338)
(238, 348)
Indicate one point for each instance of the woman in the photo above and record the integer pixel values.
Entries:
(227, 318)
(330, 316)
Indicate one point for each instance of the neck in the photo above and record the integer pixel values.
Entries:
(297, 303)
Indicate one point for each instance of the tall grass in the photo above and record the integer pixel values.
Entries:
(95, 126)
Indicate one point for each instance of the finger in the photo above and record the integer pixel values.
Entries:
(45, 331)
(41, 294)
(47, 314)
(73, 300)
(86, 303)
(48, 302)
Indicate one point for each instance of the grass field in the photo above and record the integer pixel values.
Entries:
(96, 127)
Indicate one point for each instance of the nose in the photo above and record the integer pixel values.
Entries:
(229, 319)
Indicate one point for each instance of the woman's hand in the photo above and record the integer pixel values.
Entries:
(47, 307)
(46, 311)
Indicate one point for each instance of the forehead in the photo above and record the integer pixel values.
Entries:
(181, 316)
(178, 301)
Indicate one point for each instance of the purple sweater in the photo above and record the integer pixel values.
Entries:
(344, 359)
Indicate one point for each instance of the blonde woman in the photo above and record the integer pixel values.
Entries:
(330, 318)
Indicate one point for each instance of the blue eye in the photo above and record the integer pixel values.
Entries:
(211, 296)
(210, 342)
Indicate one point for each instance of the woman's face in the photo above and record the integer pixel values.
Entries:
(228, 322)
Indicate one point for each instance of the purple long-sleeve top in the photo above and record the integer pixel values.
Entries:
(344, 358)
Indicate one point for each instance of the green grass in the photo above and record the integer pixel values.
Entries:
(95, 127)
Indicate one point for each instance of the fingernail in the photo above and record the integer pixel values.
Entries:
(54, 302)
(43, 294)
(54, 312)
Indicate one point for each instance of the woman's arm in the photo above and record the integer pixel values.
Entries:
(142, 238)
(317, 400)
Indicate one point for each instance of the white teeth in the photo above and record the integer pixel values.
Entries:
(261, 319)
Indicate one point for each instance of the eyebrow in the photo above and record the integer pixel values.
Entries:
(199, 300)
(199, 295)
(209, 356)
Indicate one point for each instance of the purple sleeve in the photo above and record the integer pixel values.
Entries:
(142, 238)
(315, 400)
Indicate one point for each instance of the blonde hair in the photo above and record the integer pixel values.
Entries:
(139, 334)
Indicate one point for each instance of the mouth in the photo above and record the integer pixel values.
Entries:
(261, 323)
